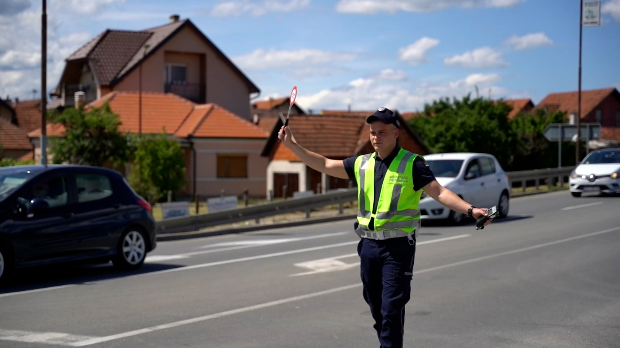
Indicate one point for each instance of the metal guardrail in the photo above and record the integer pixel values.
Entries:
(549, 174)
(256, 212)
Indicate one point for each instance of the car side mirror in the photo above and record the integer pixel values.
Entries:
(470, 176)
(37, 205)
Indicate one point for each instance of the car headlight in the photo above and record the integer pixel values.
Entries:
(614, 175)
(573, 175)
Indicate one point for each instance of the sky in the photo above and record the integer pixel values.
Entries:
(362, 54)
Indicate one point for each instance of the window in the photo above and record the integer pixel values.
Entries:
(92, 187)
(473, 170)
(175, 73)
(599, 116)
(232, 166)
(487, 166)
(445, 168)
(52, 191)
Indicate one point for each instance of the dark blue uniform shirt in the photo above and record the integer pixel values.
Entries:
(422, 174)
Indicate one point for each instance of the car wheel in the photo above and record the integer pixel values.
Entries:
(576, 194)
(131, 250)
(504, 205)
(5, 265)
(455, 218)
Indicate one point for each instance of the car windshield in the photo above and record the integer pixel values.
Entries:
(445, 168)
(603, 157)
(12, 178)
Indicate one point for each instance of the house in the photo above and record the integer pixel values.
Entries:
(277, 104)
(6, 111)
(173, 58)
(336, 136)
(597, 106)
(221, 149)
(14, 141)
(519, 106)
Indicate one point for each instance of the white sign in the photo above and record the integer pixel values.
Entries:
(591, 14)
(176, 209)
(222, 203)
(302, 194)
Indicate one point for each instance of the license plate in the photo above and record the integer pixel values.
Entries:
(590, 189)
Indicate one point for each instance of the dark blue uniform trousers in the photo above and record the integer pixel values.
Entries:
(386, 271)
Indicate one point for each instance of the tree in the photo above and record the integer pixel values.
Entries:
(468, 125)
(8, 162)
(159, 167)
(91, 137)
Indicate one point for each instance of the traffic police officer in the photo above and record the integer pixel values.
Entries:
(390, 183)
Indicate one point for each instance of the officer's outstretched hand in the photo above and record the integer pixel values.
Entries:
(285, 136)
(479, 213)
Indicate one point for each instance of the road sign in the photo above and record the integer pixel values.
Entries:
(591, 14)
(568, 132)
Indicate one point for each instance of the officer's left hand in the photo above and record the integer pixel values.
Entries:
(479, 213)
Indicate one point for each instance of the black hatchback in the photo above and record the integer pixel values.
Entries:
(63, 213)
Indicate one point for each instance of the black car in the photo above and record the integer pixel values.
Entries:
(61, 213)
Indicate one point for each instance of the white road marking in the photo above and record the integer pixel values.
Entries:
(582, 206)
(160, 258)
(58, 338)
(36, 290)
(316, 294)
(333, 264)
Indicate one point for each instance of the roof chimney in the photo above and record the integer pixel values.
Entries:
(80, 99)
(174, 18)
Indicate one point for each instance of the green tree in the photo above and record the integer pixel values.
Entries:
(534, 150)
(468, 125)
(8, 162)
(159, 167)
(91, 137)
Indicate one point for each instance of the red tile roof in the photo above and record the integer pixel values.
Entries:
(568, 101)
(28, 114)
(518, 106)
(13, 137)
(269, 104)
(178, 116)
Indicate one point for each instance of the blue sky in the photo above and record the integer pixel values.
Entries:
(364, 53)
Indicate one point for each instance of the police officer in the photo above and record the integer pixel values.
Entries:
(390, 182)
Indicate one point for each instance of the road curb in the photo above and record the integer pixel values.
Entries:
(163, 237)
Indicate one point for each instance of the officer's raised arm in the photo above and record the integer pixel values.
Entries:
(449, 199)
(313, 160)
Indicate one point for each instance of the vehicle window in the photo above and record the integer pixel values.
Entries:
(486, 166)
(10, 180)
(445, 168)
(92, 187)
(473, 170)
(52, 191)
(603, 157)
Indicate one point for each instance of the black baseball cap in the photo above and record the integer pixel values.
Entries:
(384, 115)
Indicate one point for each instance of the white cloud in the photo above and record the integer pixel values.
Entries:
(255, 8)
(371, 93)
(20, 48)
(534, 40)
(88, 7)
(390, 75)
(480, 58)
(393, 6)
(415, 54)
(612, 7)
(261, 59)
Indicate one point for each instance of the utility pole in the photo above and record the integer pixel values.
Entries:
(43, 84)
(579, 88)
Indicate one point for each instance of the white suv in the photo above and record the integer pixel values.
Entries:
(599, 172)
(478, 178)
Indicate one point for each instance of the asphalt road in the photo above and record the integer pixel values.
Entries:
(548, 276)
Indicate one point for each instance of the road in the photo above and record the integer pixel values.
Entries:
(548, 276)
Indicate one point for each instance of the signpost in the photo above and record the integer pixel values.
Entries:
(176, 209)
(568, 132)
(222, 203)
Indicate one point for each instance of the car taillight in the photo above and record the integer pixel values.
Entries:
(145, 205)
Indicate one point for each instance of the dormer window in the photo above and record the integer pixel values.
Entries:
(175, 74)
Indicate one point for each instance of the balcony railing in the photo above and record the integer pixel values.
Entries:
(90, 92)
(192, 91)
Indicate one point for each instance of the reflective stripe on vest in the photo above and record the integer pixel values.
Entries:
(397, 216)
